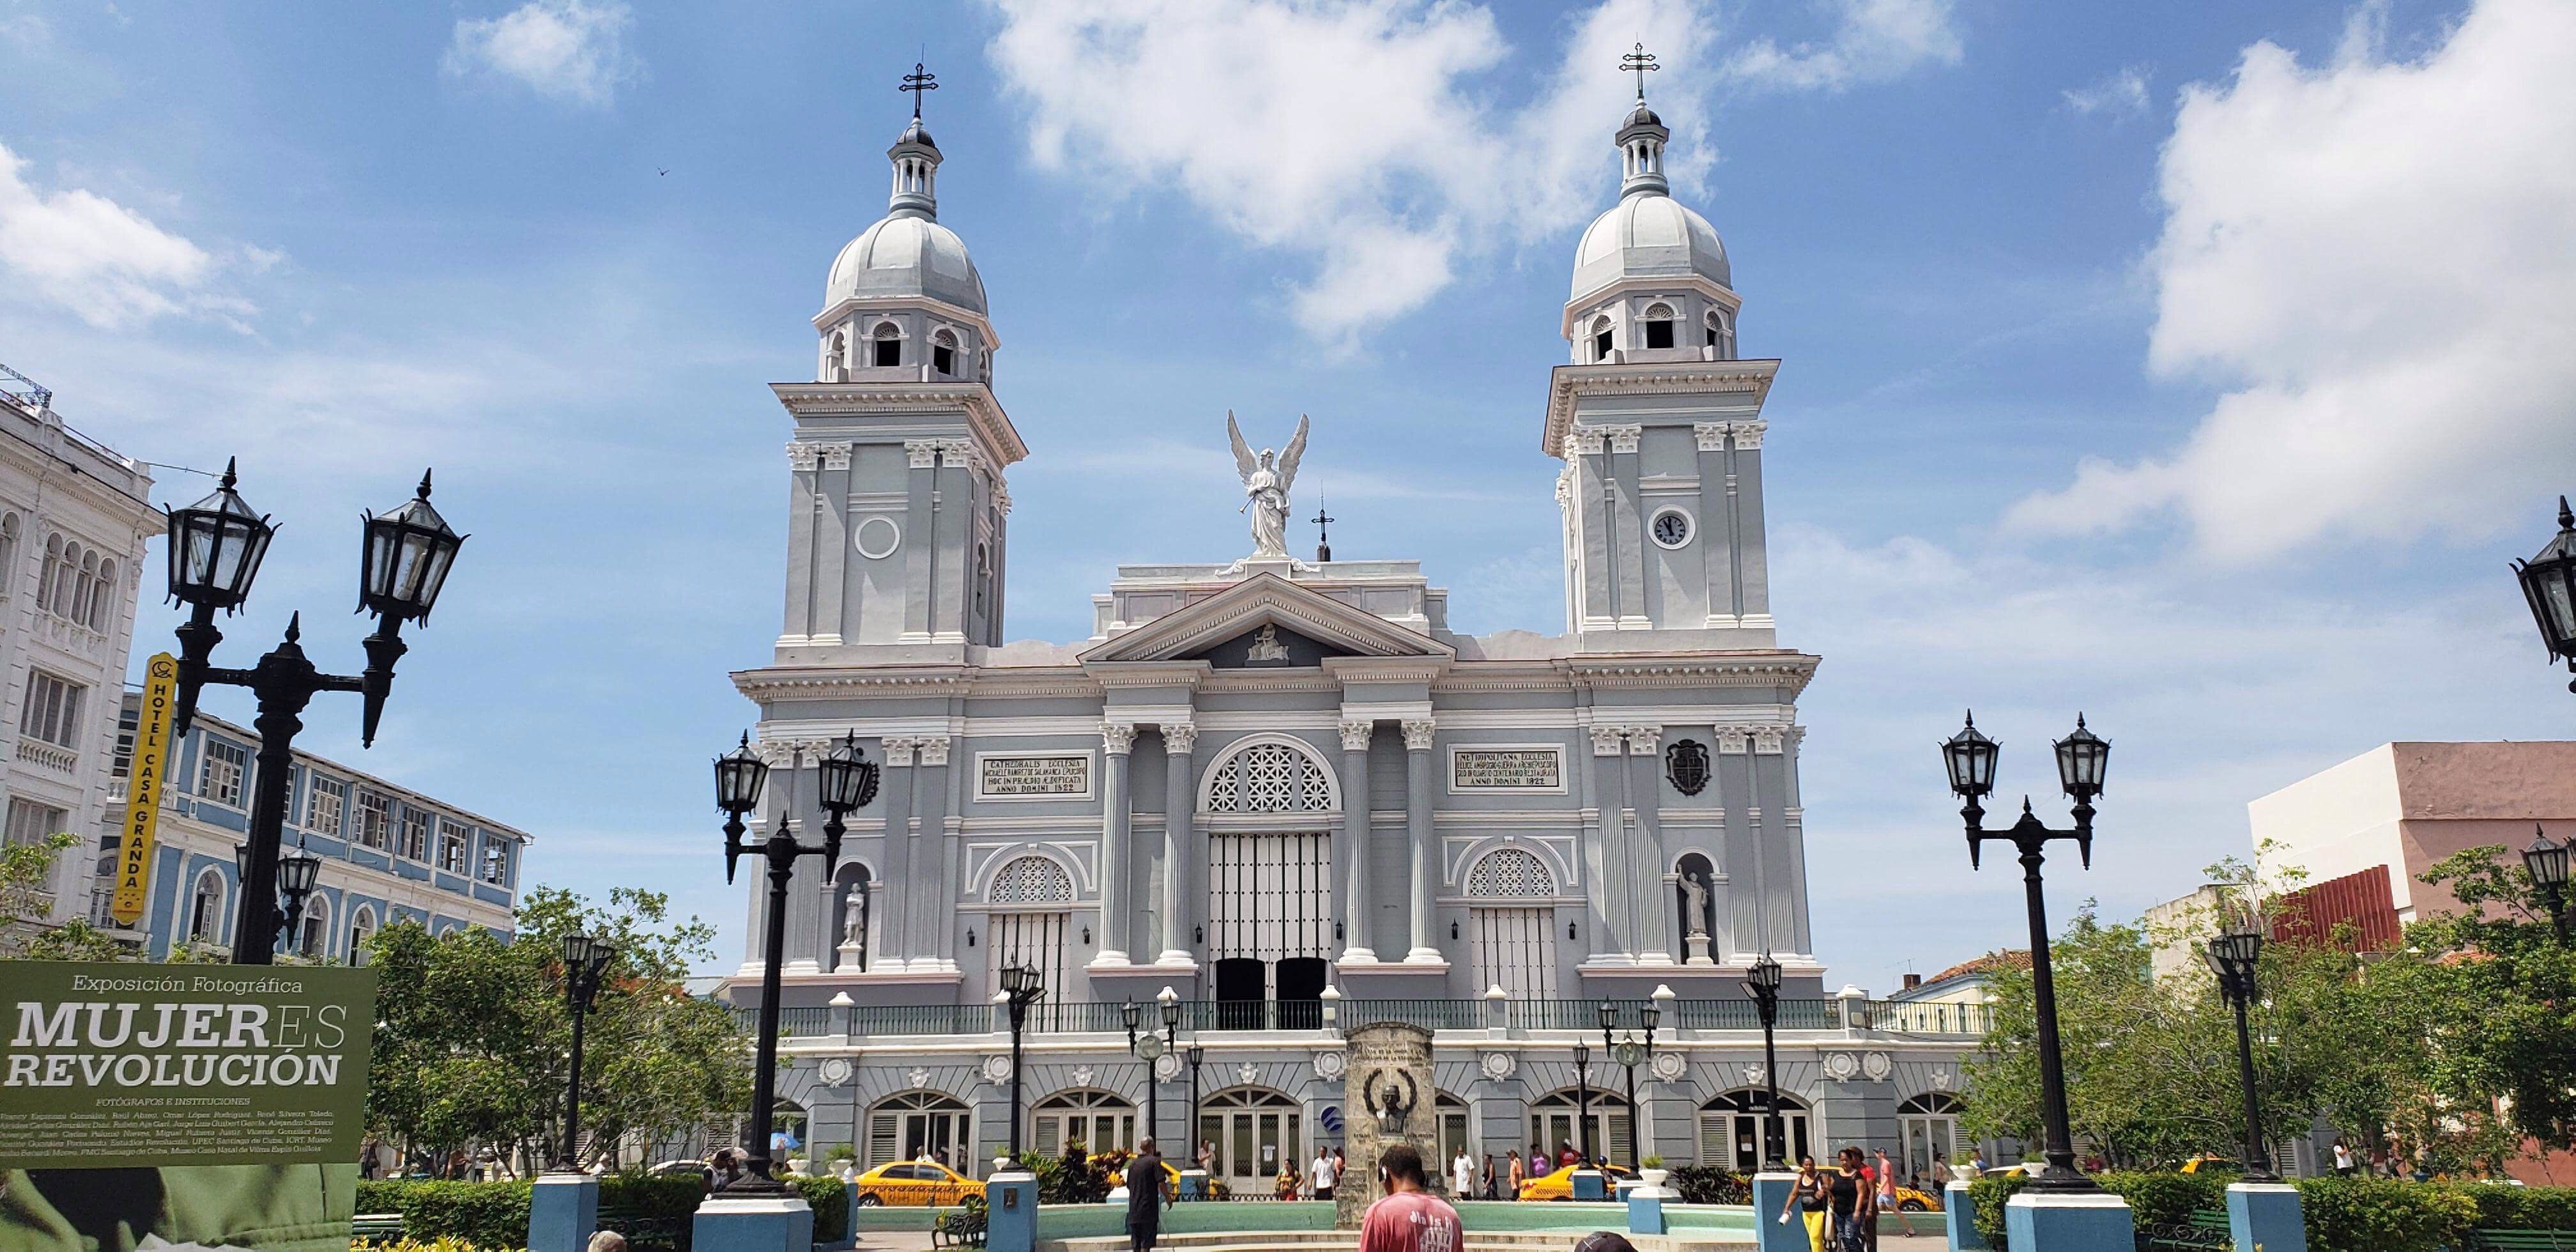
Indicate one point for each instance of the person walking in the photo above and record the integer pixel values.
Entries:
(2342, 1159)
(1851, 1201)
(1320, 1174)
(1808, 1194)
(1538, 1162)
(1462, 1175)
(1519, 1175)
(1207, 1157)
(1409, 1218)
(1887, 1201)
(1144, 1197)
(1490, 1181)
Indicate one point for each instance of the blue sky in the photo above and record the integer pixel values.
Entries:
(2197, 366)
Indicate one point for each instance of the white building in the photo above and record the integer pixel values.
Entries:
(74, 516)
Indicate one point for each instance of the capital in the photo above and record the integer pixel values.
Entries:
(1605, 740)
(801, 456)
(898, 749)
(1748, 435)
(1356, 735)
(922, 453)
(1711, 435)
(1624, 438)
(1418, 733)
(1178, 740)
(934, 750)
(1732, 739)
(836, 456)
(1769, 739)
(1642, 740)
(1587, 441)
(1118, 737)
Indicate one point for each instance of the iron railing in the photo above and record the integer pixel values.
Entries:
(1520, 1016)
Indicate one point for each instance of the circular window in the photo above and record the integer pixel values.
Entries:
(877, 537)
(1671, 528)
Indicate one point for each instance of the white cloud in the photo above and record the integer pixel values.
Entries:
(1357, 133)
(2122, 93)
(2373, 258)
(1873, 41)
(106, 263)
(572, 50)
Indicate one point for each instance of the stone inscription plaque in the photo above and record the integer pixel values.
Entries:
(1389, 1067)
(1505, 769)
(1053, 774)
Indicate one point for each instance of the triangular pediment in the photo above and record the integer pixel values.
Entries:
(1224, 627)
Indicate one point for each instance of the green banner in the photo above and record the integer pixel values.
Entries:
(105, 1065)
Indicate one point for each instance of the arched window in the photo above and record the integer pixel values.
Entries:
(1601, 339)
(1659, 326)
(887, 349)
(1038, 895)
(103, 596)
(206, 908)
(1096, 1121)
(1928, 1127)
(836, 368)
(1031, 880)
(1514, 941)
(916, 1124)
(1553, 1123)
(84, 587)
(1268, 777)
(49, 575)
(9, 527)
(313, 929)
(943, 352)
(1510, 873)
(1730, 1130)
(362, 927)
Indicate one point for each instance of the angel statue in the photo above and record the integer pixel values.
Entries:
(1265, 487)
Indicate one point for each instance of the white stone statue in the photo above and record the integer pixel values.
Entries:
(1265, 487)
(1695, 899)
(854, 919)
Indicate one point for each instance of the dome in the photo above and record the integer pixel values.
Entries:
(908, 255)
(1648, 235)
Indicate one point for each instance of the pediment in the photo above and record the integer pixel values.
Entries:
(1223, 628)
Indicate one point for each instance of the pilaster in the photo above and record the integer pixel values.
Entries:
(1117, 917)
(900, 890)
(930, 801)
(1419, 737)
(1755, 561)
(1594, 499)
(1178, 808)
(1611, 794)
(831, 538)
(922, 457)
(1646, 851)
(1355, 842)
(803, 503)
(953, 507)
(1720, 543)
(1628, 517)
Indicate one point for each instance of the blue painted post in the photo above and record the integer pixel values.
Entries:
(753, 1224)
(1194, 1184)
(2265, 1215)
(1588, 1185)
(2081, 1221)
(1011, 1212)
(1646, 1204)
(1770, 1234)
(563, 1210)
(1959, 1214)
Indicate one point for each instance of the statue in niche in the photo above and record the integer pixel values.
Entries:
(1695, 900)
(854, 919)
(1266, 479)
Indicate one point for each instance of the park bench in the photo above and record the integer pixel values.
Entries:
(642, 1231)
(376, 1227)
(961, 1229)
(2205, 1228)
(2522, 1241)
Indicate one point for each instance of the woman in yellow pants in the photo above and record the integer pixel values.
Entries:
(1809, 1193)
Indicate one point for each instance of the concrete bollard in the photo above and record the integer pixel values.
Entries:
(2266, 1215)
(1011, 1212)
(1770, 1234)
(2079, 1221)
(563, 1211)
(1959, 1215)
(742, 1223)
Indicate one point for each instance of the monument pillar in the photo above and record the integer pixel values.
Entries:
(1387, 1099)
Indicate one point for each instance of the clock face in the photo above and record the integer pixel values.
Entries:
(1672, 529)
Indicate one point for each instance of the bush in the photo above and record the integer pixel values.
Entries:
(1986, 1197)
(482, 1214)
(2168, 1199)
(1707, 1184)
(831, 1205)
(409, 1244)
(2522, 1208)
(2384, 1214)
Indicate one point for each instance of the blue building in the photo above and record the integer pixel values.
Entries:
(389, 854)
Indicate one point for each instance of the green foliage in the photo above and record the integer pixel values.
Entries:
(483, 1214)
(2168, 1198)
(442, 1244)
(831, 1207)
(1707, 1184)
(2506, 986)
(1986, 1196)
(2384, 1214)
(670, 1200)
(2522, 1208)
(476, 1028)
(2343, 1214)
(26, 871)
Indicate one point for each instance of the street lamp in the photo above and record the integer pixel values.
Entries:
(1583, 1103)
(1170, 1003)
(2232, 955)
(296, 876)
(1630, 1053)
(1763, 984)
(2546, 858)
(585, 959)
(1021, 987)
(849, 781)
(2082, 758)
(216, 546)
(1197, 1054)
(2549, 584)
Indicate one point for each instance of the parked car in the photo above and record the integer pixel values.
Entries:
(1913, 1200)
(914, 1183)
(1558, 1184)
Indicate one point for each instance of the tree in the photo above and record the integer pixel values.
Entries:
(475, 1035)
(26, 871)
(2503, 987)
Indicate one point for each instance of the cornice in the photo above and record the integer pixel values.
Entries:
(1568, 382)
(1129, 674)
(974, 400)
(780, 682)
(1792, 670)
(1386, 669)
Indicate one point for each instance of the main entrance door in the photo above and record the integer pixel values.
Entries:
(1268, 930)
(1254, 1131)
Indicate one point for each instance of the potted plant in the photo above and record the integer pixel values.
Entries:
(1653, 1173)
(844, 1160)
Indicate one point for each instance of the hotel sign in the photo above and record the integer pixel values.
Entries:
(143, 792)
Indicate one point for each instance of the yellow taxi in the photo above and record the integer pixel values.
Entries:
(2206, 1162)
(914, 1183)
(1559, 1183)
(1914, 1200)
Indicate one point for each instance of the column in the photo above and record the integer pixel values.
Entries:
(831, 543)
(1419, 734)
(1355, 842)
(1608, 744)
(1627, 515)
(1115, 861)
(1599, 558)
(896, 863)
(953, 511)
(1179, 802)
(801, 501)
(1755, 563)
(1647, 909)
(923, 457)
(930, 800)
(1717, 539)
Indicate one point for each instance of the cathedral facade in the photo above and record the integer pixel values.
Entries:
(1272, 799)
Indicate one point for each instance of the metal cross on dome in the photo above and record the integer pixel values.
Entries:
(919, 81)
(1641, 63)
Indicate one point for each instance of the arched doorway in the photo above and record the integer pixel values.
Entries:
(1268, 805)
(904, 1126)
(1254, 1129)
(1032, 901)
(1928, 1126)
(1512, 911)
(1553, 1124)
(1730, 1130)
(1097, 1120)
(1452, 1113)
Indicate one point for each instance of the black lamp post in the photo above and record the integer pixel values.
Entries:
(1763, 984)
(2549, 583)
(1170, 1001)
(1021, 987)
(296, 876)
(1197, 1054)
(849, 781)
(216, 546)
(2547, 858)
(1630, 1053)
(2081, 759)
(2232, 955)
(585, 959)
(1583, 1103)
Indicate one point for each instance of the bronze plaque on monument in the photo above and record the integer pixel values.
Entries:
(1387, 1099)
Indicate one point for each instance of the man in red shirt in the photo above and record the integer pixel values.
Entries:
(1410, 1218)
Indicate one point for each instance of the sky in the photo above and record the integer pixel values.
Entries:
(2194, 366)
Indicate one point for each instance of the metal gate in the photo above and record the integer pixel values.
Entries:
(1515, 949)
(1271, 896)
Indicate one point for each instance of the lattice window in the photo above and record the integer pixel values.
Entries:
(1269, 778)
(1510, 873)
(1031, 880)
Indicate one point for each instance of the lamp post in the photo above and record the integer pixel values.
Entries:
(216, 546)
(2082, 758)
(585, 959)
(1148, 1048)
(1197, 1054)
(1763, 984)
(848, 781)
(2232, 955)
(2547, 858)
(1583, 1103)
(1021, 988)
(1631, 1053)
(2549, 584)
(1170, 1002)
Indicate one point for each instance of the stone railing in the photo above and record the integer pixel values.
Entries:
(1508, 1017)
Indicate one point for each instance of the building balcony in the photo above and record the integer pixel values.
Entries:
(1488, 1018)
(60, 760)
